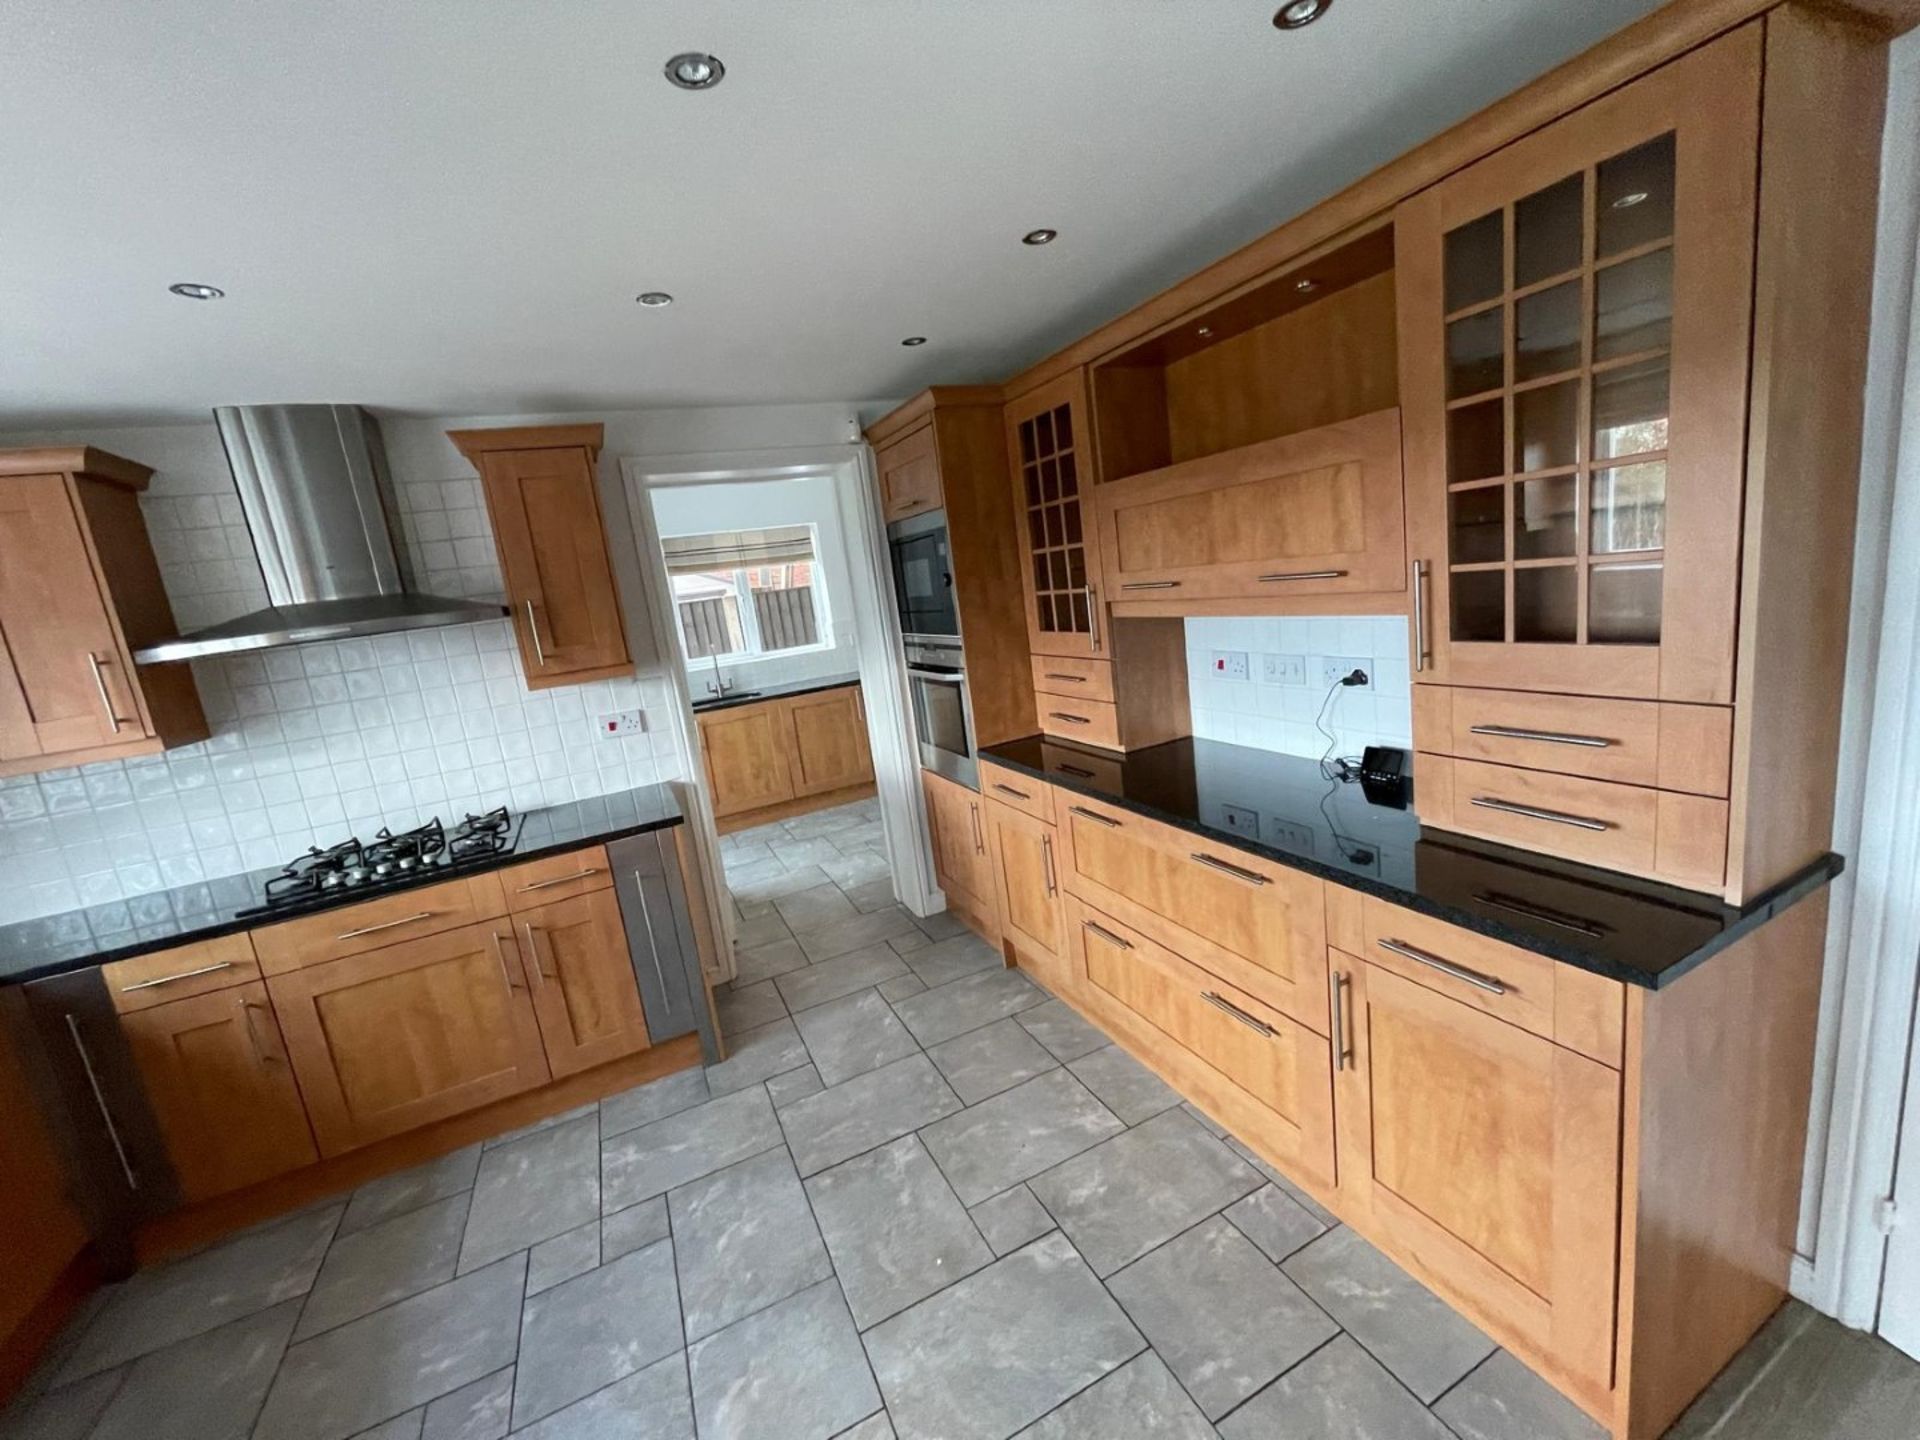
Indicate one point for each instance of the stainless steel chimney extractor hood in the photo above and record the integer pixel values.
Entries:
(314, 487)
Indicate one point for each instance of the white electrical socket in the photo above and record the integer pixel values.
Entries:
(1338, 667)
(1230, 664)
(623, 722)
(1283, 669)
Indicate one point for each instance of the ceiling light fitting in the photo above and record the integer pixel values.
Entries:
(1039, 237)
(1298, 14)
(654, 299)
(191, 291)
(912, 340)
(694, 71)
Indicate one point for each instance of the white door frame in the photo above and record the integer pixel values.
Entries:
(883, 679)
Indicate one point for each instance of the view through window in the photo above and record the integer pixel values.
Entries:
(739, 594)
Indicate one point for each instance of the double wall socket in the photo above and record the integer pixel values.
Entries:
(623, 722)
(1334, 668)
(1230, 664)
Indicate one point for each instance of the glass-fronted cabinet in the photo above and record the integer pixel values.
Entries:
(1050, 453)
(1574, 317)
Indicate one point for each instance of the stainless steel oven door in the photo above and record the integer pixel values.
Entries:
(943, 720)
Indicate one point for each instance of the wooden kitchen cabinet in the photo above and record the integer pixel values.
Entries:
(80, 591)
(961, 862)
(769, 753)
(909, 475)
(828, 748)
(1026, 880)
(392, 1039)
(1050, 455)
(584, 991)
(221, 1087)
(543, 499)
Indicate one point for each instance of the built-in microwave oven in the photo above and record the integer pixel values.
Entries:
(923, 578)
(942, 714)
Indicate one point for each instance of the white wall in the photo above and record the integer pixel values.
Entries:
(314, 743)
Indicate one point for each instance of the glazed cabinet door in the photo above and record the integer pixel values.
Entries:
(1026, 878)
(1488, 1158)
(1050, 455)
(746, 757)
(910, 475)
(221, 1086)
(393, 1039)
(584, 991)
(827, 742)
(68, 685)
(1574, 327)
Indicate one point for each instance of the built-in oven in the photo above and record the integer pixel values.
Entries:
(923, 578)
(942, 714)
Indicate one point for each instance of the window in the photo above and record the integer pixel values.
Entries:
(744, 593)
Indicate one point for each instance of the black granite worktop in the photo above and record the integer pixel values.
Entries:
(1284, 809)
(772, 692)
(75, 939)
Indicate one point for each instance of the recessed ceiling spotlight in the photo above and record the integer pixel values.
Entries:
(1204, 331)
(654, 299)
(193, 291)
(1039, 237)
(1298, 14)
(913, 340)
(1305, 286)
(1627, 202)
(694, 71)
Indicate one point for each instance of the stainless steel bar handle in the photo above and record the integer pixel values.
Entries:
(1046, 859)
(1151, 585)
(1304, 575)
(1342, 1043)
(585, 874)
(646, 919)
(1069, 679)
(536, 969)
(1069, 719)
(1094, 816)
(1009, 790)
(1534, 812)
(386, 925)
(1550, 737)
(1445, 967)
(100, 684)
(1225, 869)
(1107, 935)
(100, 1099)
(172, 979)
(1093, 618)
(1422, 651)
(1220, 1002)
(938, 677)
(533, 629)
(979, 838)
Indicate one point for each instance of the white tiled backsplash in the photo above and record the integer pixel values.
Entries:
(1287, 661)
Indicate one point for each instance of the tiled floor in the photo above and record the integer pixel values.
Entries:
(920, 1199)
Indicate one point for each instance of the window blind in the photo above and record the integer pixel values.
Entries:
(738, 549)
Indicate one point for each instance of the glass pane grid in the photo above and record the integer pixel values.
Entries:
(1050, 482)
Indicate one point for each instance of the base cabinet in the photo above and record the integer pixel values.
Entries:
(780, 750)
(828, 741)
(584, 993)
(746, 754)
(1026, 880)
(958, 828)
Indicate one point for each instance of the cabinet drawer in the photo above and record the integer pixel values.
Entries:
(1020, 792)
(373, 924)
(1203, 1025)
(556, 877)
(1631, 742)
(1075, 678)
(1660, 833)
(1261, 927)
(1570, 1006)
(149, 980)
(1091, 722)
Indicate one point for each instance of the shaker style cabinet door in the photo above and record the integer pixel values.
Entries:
(1050, 454)
(574, 952)
(827, 736)
(746, 757)
(959, 833)
(1575, 314)
(910, 475)
(1026, 876)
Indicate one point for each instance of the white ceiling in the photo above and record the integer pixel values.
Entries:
(447, 206)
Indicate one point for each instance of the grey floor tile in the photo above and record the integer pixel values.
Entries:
(743, 1237)
(797, 854)
(1274, 1221)
(594, 1330)
(778, 887)
(868, 895)
(763, 962)
(1124, 1085)
(840, 818)
(564, 1256)
(653, 1159)
(855, 869)
(794, 1085)
(388, 1262)
(753, 871)
(392, 1195)
(950, 959)
(748, 1007)
(901, 986)
(625, 1231)
(206, 1388)
(532, 1190)
(756, 1055)
(852, 1035)
(1141, 1401)
(866, 1111)
(895, 1230)
(1224, 1319)
(842, 975)
(339, 1383)
(650, 1404)
(807, 910)
(760, 930)
(1059, 1027)
(1293, 1192)
(1339, 1393)
(1011, 1219)
(481, 1410)
(941, 925)
(993, 1058)
(1018, 1133)
(1000, 1349)
(200, 1292)
(875, 1427)
(735, 858)
(1405, 1326)
(1205, 1121)
(1504, 1400)
(546, 1122)
(68, 1413)
(401, 1427)
(908, 942)
(794, 1371)
(655, 1100)
(967, 1004)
